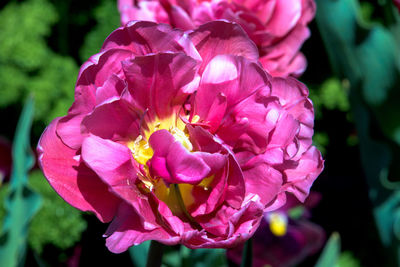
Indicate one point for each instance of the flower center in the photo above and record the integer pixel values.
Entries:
(177, 196)
(140, 147)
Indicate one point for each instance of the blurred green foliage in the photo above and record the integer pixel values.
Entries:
(28, 65)
(365, 53)
(332, 257)
(331, 95)
(330, 253)
(57, 222)
(137, 253)
(20, 203)
(346, 259)
(107, 20)
(186, 257)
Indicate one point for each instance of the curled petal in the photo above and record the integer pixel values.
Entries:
(173, 162)
(222, 37)
(160, 82)
(300, 175)
(126, 231)
(72, 179)
(145, 37)
(112, 120)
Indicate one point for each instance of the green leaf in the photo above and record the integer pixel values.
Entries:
(387, 217)
(377, 59)
(347, 259)
(139, 254)
(208, 257)
(331, 252)
(247, 254)
(21, 203)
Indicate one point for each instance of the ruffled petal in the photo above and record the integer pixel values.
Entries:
(220, 38)
(126, 231)
(72, 179)
(263, 181)
(299, 176)
(114, 120)
(113, 162)
(161, 82)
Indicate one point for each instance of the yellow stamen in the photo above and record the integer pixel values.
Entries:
(141, 150)
(278, 223)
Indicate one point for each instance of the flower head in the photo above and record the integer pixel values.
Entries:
(181, 137)
(278, 27)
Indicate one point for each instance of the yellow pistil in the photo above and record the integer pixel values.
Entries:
(278, 223)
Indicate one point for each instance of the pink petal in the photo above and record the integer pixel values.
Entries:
(111, 89)
(159, 82)
(301, 175)
(228, 82)
(145, 37)
(282, 58)
(289, 91)
(68, 129)
(114, 120)
(71, 179)
(179, 18)
(285, 131)
(108, 63)
(285, 16)
(126, 231)
(111, 161)
(234, 225)
(222, 37)
(143, 10)
(264, 181)
(308, 11)
(259, 113)
(174, 163)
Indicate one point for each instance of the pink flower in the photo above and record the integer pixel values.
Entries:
(283, 241)
(278, 27)
(181, 137)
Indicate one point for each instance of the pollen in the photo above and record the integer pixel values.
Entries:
(183, 138)
(141, 150)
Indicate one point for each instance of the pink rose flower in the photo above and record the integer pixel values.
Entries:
(181, 137)
(278, 27)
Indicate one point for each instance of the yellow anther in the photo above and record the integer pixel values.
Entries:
(278, 223)
(141, 150)
(180, 136)
(196, 118)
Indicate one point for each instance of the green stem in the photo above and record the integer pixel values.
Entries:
(247, 254)
(181, 203)
(154, 257)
